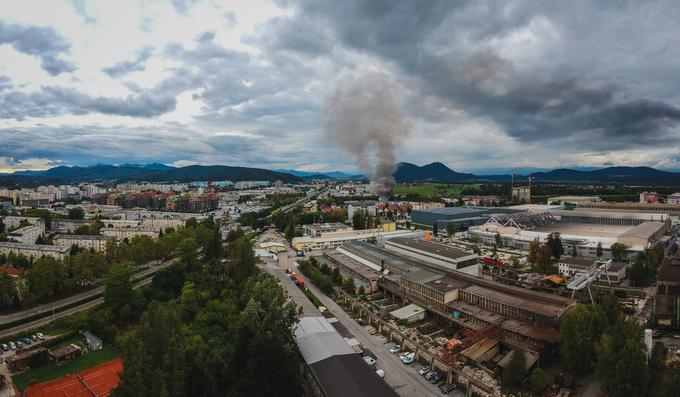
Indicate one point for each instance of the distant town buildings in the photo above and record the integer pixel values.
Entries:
(649, 197)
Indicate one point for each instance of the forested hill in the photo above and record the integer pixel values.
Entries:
(149, 172)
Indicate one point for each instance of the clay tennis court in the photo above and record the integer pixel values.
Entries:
(93, 382)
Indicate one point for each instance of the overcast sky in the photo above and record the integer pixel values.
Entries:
(483, 85)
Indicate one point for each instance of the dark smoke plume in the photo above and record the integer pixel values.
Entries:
(364, 120)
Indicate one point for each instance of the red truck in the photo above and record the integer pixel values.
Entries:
(298, 280)
(492, 262)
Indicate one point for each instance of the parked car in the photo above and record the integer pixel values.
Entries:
(380, 373)
(395, 349)
(5, 347)
(369, 360)
(404, 354)
(34, 337)
(19, 344)
(430, 374)
(40, 335)
(26, 341)
(448, 388)
(435, 379)
(423, 371)
(12, 345)
(409, 358)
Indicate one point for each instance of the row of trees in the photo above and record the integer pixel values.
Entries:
(601, 339)
(642, 272)
(324, 277)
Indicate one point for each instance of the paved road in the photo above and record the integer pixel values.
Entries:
(47, 307)
(19, 329)
(404, 378)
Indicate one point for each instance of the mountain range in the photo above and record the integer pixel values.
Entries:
(438, 172)
(148, 172)
(406, 172)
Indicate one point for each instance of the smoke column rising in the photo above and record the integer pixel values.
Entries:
(364, 121)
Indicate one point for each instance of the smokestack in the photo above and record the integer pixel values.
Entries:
(512, 181)
(364, 121)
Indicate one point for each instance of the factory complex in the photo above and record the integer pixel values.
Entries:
(581, 231)
(527, 319)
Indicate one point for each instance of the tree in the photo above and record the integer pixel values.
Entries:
(118, 292)
(618, 251)
(513, 374)
(76, 213)
(577, 339)
(362, 290)
(598, 250)
(348, 285)
(450, 229)
(554, 242)
(8, 291)
(544, 258)
(2, 226)
(537, 381)
(359, 219)
(335, 275)
(534, 248)
(435, 229)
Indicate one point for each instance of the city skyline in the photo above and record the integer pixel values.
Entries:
(539, 86)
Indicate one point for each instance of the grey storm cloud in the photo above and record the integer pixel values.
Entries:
(124, 67)
(51, 101)
(445, 47)
(43, 42)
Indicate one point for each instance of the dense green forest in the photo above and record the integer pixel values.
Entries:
(211, 324)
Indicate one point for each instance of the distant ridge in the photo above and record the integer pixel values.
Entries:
(321, 175)
(435, 172)
(149, 172)
(438, 172)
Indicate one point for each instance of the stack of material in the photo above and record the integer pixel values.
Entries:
(483, 377)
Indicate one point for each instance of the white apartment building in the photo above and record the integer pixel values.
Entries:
(128, 233)
(673, 199)
(27, 234)
(95, 242)
(34, 251)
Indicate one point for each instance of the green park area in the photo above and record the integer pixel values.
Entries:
(431, 190)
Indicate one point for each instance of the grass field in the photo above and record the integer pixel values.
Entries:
(430, 189)
(50, 371)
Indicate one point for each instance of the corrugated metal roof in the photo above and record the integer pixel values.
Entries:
(318, 340)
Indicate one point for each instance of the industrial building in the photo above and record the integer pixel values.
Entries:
(333, 239)
(581, 231)
(657, 208)
(461, 217)
(332, 368)
(668, 291)
(409, 313)
(561, 200)
(570, 266)
(431, 252)
(527, 318)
